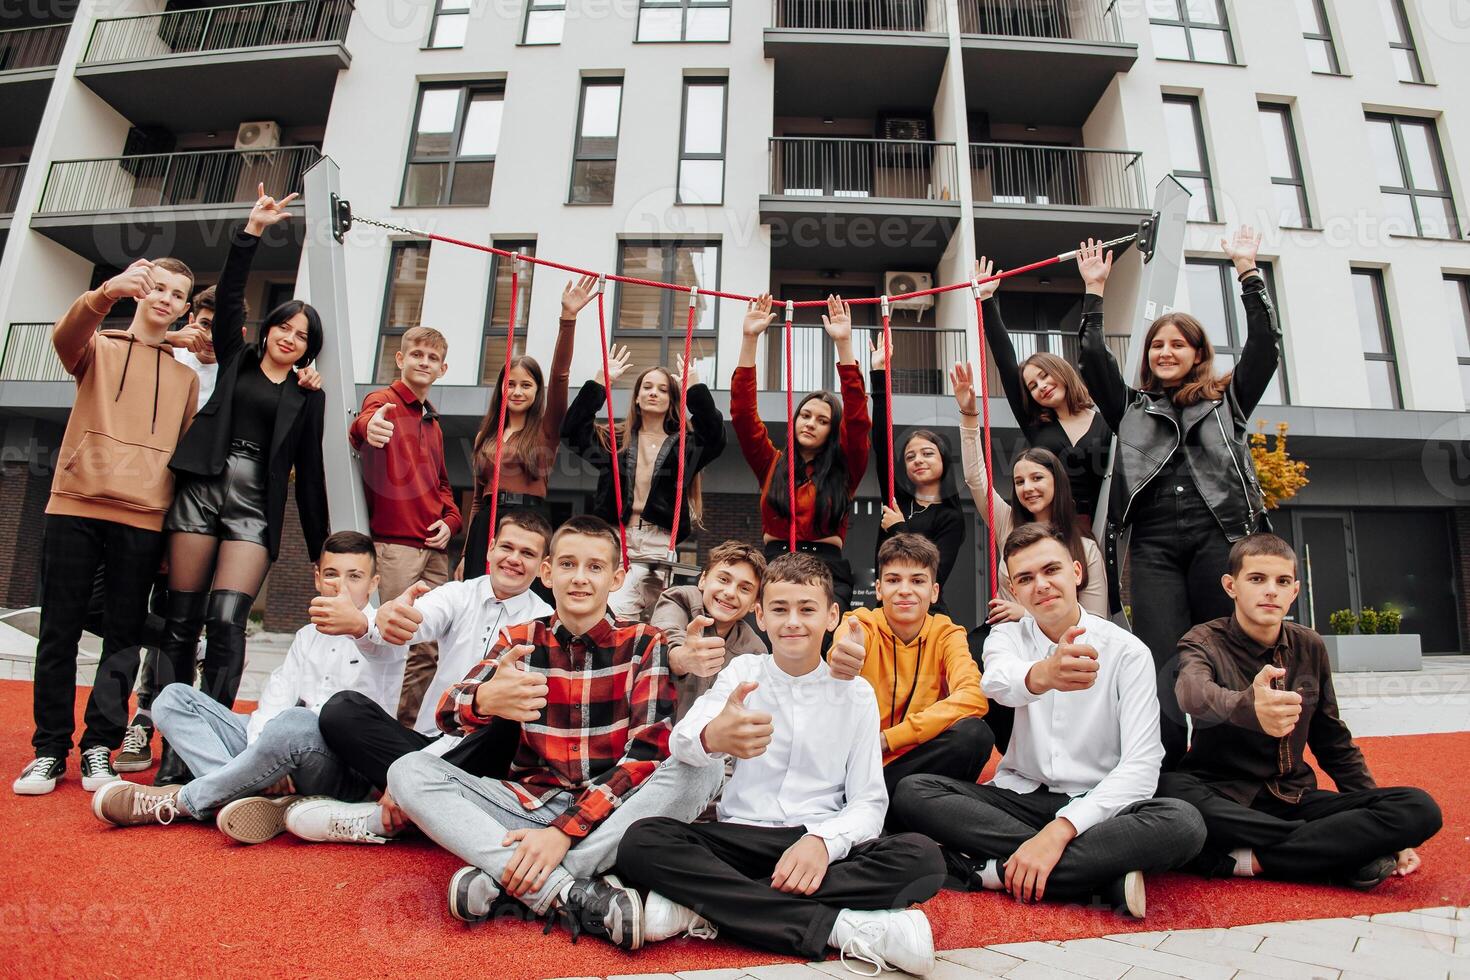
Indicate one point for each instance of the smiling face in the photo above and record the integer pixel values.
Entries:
(1035, 486)
(1170, 355)
(520, 391)
(1044, 579)
(352, 574)
(922, 461)
(906, 592)
(1045, 390)
(1264, 589)
(421, 365)
(285, 344)
(515, 559)
(168, 300)
(728, 591)
(582, 572)
(795, 616)
(813, 424)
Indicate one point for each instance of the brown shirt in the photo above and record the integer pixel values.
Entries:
(1218, 662)
(673, 613)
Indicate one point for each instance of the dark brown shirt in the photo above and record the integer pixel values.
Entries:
(1218, 662)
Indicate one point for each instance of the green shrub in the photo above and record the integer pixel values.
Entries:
(1390, 620)
(1343, 622)
(1368, 621)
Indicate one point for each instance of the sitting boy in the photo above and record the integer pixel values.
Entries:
(591, 760)
(279, 746)
(795, 863)
(1259, 690)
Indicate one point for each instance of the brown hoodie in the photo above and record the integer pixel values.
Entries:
(133, 403)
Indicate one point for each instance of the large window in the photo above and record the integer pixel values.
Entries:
(684, 20)
(1215, 300)
(1401, 41)
(544, 21)
(1411, 175)
(702, 142)
(595, 154)
(403, 303)
(1458, 290)
(1185, 128)
(1376, 331)
(1284, 162)
(1191, 30)
(456, 132)
(651, 321)
(451, 21)
(1317, 32)
(497, 308)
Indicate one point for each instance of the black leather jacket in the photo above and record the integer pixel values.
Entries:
(1214, 434)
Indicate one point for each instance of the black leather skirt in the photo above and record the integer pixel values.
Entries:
(230, 506)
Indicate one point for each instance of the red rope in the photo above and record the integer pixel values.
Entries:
(612, 429)
(683, 422)
(510, 346)
(888, 397)
(991, 575)
(791, 448)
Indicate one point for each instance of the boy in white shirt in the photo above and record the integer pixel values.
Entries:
(796, 853)
(1069, 814)
(278, 748)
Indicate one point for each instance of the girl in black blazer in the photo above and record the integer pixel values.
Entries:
(232, 468)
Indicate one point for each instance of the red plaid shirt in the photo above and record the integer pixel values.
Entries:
(608, 715)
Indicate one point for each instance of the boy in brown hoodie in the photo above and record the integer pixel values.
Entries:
(109, 494)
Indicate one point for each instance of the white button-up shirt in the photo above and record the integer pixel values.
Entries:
(318, 666)
(1100, 746)
(824, 767)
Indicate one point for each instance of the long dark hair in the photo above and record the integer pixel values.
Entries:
(632, 424)
(284, 312)
(1063, 507)
(828, 473)
(948, 487)
(525, 446)
(1201, 383)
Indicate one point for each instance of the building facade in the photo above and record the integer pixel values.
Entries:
(802, 147)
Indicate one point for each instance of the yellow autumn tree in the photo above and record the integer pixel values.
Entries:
(1280, 475)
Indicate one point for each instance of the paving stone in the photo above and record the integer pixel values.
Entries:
(1039, 971)
(712, 974)
(1414, 958)
(1401, 963)
(1139, 973)
(1055, 956)
(1147, 940)
(785, 971)
(1426, 923)
(1361, 927)
(1149, 959)
(652, 976)
(981, 960)
(1196, 946)
(1229, 938)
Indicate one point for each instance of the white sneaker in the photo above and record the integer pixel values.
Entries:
(39, 777)
(663, 919)
(97, 769)
(321, 819)
(884, 941)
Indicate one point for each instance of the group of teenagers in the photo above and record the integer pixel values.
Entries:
(746, 756)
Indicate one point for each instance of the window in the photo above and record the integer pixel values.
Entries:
(1377, 335)
(451, 19)
(651, 321)
(403, 304)
(1284, 163)
(1191, 30)
(456, 131)
(1214, 299)
(595, 155)
(1186, 134)
(544, 21)
(684, 20)
(702, 143)
(1317, 31)
(497, 308)
(1401, 41)
(1411, 175)
(1458, 288)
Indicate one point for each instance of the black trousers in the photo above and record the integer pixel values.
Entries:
(72, 550)
(723, 872)
(1325, 835)
(370, 740)
(959, 752)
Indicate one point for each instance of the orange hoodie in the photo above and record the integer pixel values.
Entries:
(133, 403)
(923, 687)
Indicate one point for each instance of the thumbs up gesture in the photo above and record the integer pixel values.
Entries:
(1277, 711)
(849, 651)
(379, 429)
(335, 614)
(737, 730)
(514, 691)
(701, 654)
(398, 620)
(1072, 666)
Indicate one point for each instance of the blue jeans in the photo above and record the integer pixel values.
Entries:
(211, 740)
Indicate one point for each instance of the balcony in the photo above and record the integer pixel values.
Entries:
(28, 59)
(11, 175)
(878, 54)
(851, 203)
(113, 210)
(276, 60)
(1035, 201)
(922, 357)
(29, 356)
(1064, 345)
(1041, 61)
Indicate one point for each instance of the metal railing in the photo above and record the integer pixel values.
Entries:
(173, 179)
(1079, 20)
(29, 356)
(247, 25)
(912, 170)
(1017, 173)
(912, 16)
(32, 47)
(11, 175)
(922, 357)
(1062, 344)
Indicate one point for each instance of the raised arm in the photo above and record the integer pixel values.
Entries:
(962, 378)
(574, 297)
(579, 428)
(1262, 352)
(750, 431)
(704, 418)
(1002, 351)
(311, 478)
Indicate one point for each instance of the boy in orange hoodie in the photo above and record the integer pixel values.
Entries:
(930, 706)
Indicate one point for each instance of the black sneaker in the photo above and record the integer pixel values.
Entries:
(40, 776)
(602, 907)
(1372, 874)
(472, 895)
(97, 769)
(172, 770)
(962, 871)
(136, 753)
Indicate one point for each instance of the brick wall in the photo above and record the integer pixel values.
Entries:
(289, 587)
(729, 516)
(23, 496)
(1460, 555)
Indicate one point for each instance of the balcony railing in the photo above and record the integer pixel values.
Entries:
(922, 357)
(912, 170)
(1080, 20)
(11, 175)
(248, 25)
(1007, 173)
(1064, 345)
(32, 47)
(910, 16)
(173, 179)
(29, 356)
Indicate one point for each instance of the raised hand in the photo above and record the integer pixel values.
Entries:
(618, 361)
(1072, 666)
(1277, 711)
(962, 380)
(576, 295)
(134, 282)
(838, 320)
(267, 211)
(1094, 266)
(398, 620)
(513, 692)
(1242, 247)
(334, 614)
(758, 316)
(689, 373)
(379, 428)
(309, 378)
(849, 651)
(737, 730)
(877, 357)
(984, 269)
(701, 654)
(191, 337)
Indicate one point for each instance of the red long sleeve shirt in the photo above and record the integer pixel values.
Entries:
(405, 482)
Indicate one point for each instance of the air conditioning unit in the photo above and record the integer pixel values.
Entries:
(261, 135)
(895, 283)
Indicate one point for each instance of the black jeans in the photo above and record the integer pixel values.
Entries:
(1176, 558)
(72, 550)
(1325, 835)
(723, 872)
(959, 752)
(987, 822)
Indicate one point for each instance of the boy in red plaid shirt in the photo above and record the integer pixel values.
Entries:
(595, 701)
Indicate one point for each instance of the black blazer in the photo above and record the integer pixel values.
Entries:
(296, 441)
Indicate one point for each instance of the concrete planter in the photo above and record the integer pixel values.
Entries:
(1394, 651)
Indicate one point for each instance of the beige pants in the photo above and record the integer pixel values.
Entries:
(399, 566)
(648, 562)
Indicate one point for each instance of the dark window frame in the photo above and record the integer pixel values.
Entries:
(578, 154)
(540, 6)
(439, 12)
(1401, 14)
(1385, 324)
(1293, 152)
(1462, 283)
(1334, 62)
(697, 80)
(1413, 193)
(1198, 114)
(467, 91)
(684, 6)
(1189, 26)
(674, 304)
(1235, 327)
(386, 329)
(491, 331)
